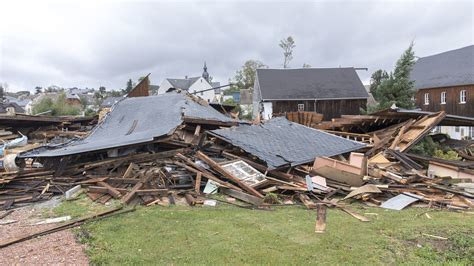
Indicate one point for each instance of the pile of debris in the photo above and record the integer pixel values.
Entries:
(175, 147)
(20, 133)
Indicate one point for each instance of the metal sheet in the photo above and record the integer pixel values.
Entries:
(401, 201)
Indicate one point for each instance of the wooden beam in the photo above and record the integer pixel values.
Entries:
(129, 196)
(320, 218)
(197, 185)
(243, 196)
(111, 190)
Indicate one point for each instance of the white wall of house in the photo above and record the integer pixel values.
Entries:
(246, 109)
(29, 108)
(267, 111)
(256, 99)
(457, 132)
(164, 86)
(218, 97)
(200, 85)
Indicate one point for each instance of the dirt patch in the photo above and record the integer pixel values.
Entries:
(459, 245)
(57, 248)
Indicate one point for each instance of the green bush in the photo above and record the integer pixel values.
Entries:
(426, 147)
(449, 155)
(57, 107)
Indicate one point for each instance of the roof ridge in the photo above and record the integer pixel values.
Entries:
(447, 52)
(308, 68)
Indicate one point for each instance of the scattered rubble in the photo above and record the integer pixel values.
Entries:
(159, 150)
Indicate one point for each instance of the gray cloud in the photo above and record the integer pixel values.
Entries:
(88, 44)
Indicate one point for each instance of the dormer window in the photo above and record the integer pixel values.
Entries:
(443, 97)
(462, 96)
(427, 98)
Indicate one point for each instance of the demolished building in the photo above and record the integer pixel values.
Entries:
(175, 146)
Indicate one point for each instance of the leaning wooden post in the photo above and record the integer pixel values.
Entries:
(320, 218)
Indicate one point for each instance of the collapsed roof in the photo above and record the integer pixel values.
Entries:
(280, 142)
(139, 120)
(448, 120)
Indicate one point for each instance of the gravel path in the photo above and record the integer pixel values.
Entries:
(57, 248)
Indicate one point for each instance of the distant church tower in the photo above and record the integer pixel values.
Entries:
(205, 75)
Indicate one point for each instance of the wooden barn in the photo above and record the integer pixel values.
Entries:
(445, 82)
(331, 92)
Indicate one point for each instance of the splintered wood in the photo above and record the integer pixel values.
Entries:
(189, 166)
(320, 218)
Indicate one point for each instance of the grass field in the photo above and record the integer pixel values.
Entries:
(231, 235)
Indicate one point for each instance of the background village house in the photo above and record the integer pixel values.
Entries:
(445, 82)
(329, 91)
(246, 102)
(199, 85)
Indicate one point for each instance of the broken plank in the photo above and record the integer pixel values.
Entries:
(320, 218)
(111, 190)
(197, 185)
(242, 196)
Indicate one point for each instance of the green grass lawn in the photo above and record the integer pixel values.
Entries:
(232, 235)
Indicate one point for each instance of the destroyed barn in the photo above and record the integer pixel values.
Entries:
(175, 147)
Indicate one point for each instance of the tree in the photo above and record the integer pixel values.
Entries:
(376, 79)
(57, 107)
(129, 86)
(306, 65)
(287, 45)
(398, 88)
(38, 90)
(245, 77)
(98, 98)
(84, 102)
(102, 91)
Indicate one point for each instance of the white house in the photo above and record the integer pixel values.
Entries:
(199, 86)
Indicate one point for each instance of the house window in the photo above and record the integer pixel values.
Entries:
(471, 132)
(456, 129)
(462, 96)
(300, 107)
(427, 98)
(443, 97)
(246, 173)
(202, 93)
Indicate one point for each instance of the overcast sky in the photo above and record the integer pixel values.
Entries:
(94, 43)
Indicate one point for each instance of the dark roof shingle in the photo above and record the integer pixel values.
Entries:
(279, 142)
(137, 120)
(310, 83)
